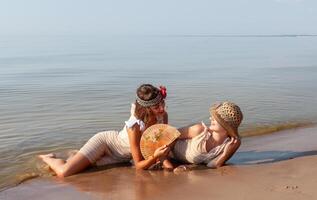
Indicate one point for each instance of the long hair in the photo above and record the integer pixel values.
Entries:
(146, 92)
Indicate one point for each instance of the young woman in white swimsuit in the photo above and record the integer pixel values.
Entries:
(111, 147)
(212, 145)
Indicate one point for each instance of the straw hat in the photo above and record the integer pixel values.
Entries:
(228, 115)
(156, 136)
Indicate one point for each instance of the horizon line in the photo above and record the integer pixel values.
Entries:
(238, 35)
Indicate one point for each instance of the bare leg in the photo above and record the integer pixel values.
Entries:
(75, 164)
(50, 155)
(166, 163)
(71, 154)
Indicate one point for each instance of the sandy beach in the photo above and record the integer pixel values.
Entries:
(277, 166)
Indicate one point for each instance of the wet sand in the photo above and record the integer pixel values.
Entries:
(278, 166)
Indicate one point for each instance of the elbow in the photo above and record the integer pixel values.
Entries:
(218, 164)
(139, 167)
(214, 164)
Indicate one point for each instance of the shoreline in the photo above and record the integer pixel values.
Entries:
(276, 166)
(289, 179)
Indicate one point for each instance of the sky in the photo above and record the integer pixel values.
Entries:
(161, 17)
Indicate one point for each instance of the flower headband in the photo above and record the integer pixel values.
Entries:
(160, 96)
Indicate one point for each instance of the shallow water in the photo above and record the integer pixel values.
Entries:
(124, 182)
(56, 92)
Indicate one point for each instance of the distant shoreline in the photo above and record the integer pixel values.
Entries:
(241, 35)
(163, 35)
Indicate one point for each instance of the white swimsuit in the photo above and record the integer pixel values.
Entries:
(194, 150)
(110, 147)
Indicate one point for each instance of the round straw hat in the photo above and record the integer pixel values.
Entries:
(228, 115)
(156, 136)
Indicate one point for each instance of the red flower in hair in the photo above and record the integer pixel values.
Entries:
(163, 91)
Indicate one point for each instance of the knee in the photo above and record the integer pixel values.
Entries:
(195, 130)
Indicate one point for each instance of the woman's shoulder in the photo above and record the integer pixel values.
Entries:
(133, 121)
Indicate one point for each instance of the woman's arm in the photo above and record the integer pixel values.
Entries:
(229, 150)
(134, 139)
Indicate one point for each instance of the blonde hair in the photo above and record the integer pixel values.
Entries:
(228, 115)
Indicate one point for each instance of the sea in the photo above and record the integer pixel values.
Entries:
(57, 91)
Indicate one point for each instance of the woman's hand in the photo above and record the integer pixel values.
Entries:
(161, 152)
(228, 151)
(232, 146)
(206, 128)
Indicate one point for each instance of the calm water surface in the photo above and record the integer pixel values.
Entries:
(56, 92)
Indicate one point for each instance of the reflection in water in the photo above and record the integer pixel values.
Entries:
(128, 183)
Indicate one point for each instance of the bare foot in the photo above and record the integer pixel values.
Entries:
(212, 164)
(71, 154)
(44, 156)
(167, 165)
(180, 168)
